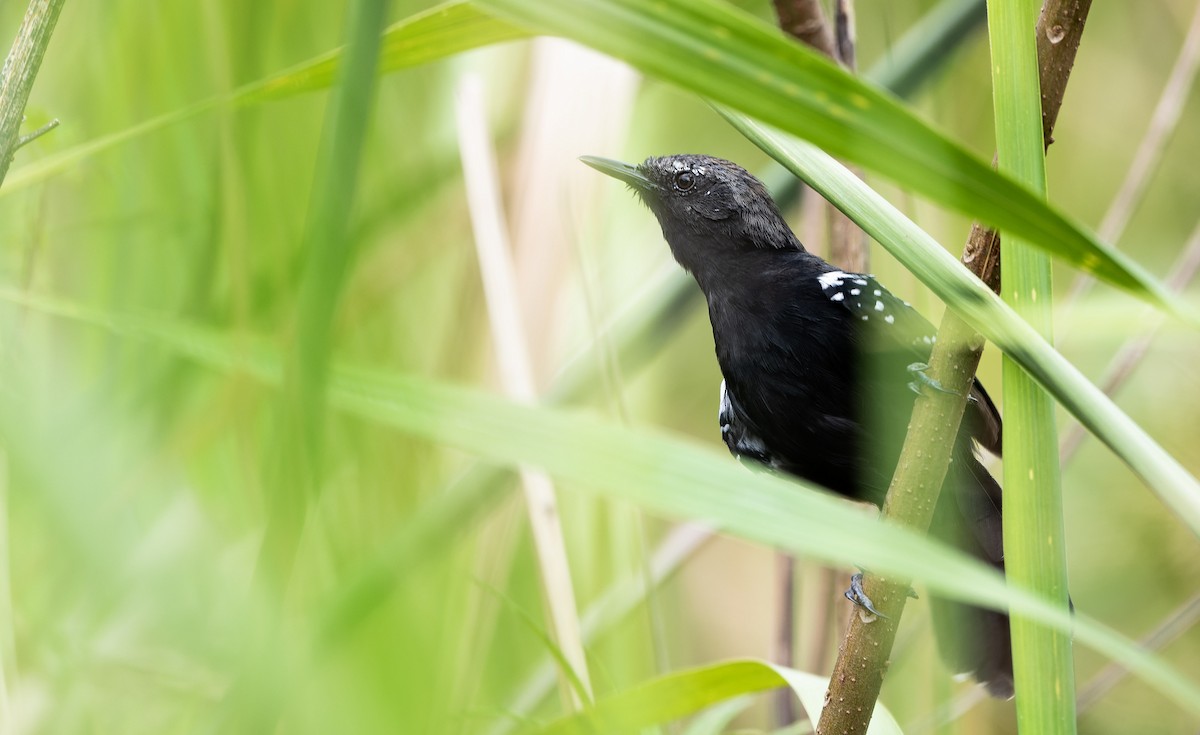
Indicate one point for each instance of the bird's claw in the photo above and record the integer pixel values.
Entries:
(858, 596)
(921, 379)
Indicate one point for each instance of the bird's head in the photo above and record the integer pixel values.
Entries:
(710, 209)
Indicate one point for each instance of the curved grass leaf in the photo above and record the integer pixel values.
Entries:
(665, 474)
(964, 293)
(684, 693)
(727, 55)
(441, 31)
(714, 720)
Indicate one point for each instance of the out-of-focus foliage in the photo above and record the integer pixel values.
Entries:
(132, 478)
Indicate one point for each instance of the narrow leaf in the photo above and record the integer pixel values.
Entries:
(682, 693)
(1035, 554)
(668, 475)
(441, 31)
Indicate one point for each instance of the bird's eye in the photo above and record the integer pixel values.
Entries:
(684, 180)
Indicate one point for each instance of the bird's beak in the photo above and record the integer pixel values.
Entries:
(623, 171)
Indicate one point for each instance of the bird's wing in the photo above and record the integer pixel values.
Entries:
(739, 436)
(870, 302)
(912, 334)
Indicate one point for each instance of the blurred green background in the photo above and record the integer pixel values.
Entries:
(133, 480)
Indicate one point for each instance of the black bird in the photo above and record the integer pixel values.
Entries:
(819, 369)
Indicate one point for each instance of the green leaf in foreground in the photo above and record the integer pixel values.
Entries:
(723, 53)
(668, 475)
(984, 311)
(684, 693)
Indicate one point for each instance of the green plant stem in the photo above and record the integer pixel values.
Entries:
(1035, 554)
(863, 657)
(16, 82)
(20, 70)
(294, 471)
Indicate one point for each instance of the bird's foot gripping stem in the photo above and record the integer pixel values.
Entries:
(858, 596)
(917, 369)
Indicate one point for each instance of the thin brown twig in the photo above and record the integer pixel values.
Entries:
(1178, 622)
(785, 635)
(1131, 353)
(1174, 625)
(516, 373)
(1163, 123)
(805, 20)
(866, 649)
(843, 24)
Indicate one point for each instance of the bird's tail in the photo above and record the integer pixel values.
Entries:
(973, 640)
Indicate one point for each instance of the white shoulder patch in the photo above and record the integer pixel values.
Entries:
(832, 279)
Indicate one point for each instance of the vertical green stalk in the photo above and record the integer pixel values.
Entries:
(295, 467)
(1033, 522)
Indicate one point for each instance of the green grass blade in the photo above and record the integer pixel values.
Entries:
(727, 55)
(441, 31)
(292, 477)
(667, 475)
(961, 291)
(1034, 544)
(926, 46)
(687, 692)
(38, 171)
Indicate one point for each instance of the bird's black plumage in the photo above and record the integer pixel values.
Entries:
(816, 371)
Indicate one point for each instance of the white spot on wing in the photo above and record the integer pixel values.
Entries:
(838, 296)
(889, 319)
(831, 279)
(878, 306)
(855, 291)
